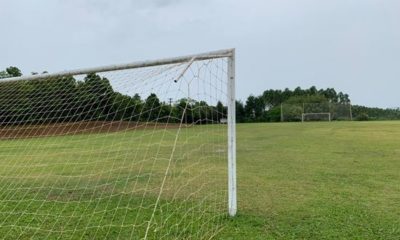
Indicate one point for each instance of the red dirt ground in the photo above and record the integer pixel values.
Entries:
(85, 127)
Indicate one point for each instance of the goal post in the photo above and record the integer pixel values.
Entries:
(315, 116)
(137, 150)
(328, 111)
(141, 64)
(232, 201)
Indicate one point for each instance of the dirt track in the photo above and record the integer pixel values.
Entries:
(87, 127)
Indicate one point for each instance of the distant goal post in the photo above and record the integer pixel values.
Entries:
(315, 117)
(326, 111)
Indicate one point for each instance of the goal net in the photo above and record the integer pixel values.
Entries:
(325, 111)
(316, 117)
(134, 151)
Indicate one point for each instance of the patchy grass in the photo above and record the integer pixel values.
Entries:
(338, 180)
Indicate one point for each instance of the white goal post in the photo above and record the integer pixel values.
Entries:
(315, 116)
(129, 149)
(294, 112)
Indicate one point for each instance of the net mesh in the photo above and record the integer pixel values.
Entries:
(130, 154)
(316, 117)
(324, 111)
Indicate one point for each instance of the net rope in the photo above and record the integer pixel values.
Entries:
(128, 154)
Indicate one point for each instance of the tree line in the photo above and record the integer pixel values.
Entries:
(363, 113)
(66, 99)
(267, 106)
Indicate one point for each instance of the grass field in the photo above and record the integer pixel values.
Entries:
(338, 180)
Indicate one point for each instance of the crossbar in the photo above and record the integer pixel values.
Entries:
(322, 113)
(316, 114)
(142, 64)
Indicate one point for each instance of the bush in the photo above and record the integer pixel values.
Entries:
(273, 115)
(363, 117)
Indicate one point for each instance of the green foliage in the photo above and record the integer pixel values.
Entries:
(10, 72)
(240, 112)
(273, 115)
(14, 71)
(292, 112)
(95, 99)
(3, 74)
(255, 108)
(264, 108)
(368, 113)
(362, 117)
(307, 99)
(151, 108)
(276, 97)
(222, 111)
(65, 99)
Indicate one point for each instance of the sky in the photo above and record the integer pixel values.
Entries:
(352, 46)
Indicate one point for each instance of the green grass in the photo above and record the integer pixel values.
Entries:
(338, 180)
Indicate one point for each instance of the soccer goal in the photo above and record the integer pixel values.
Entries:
(325, 111)
(130, 151)
(316, 117)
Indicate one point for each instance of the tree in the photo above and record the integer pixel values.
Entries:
(120, 107)
(312, 91)
(184, 111)
(98, 95)
(250, 107)
(134, 109)
(255, 108)
(13, 103)
(273, 115)
(343, 98)
(221, 111)
(151, 108)
(201, 112)
(13, 71)
(65, 99)
(307, 99)
(240, 112)
(4, 74)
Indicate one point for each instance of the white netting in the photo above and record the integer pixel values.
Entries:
(127, 154)
(325, 111)
(316, 117)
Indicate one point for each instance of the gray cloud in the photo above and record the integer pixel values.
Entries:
(351, 45)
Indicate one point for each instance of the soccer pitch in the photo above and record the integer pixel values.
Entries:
(106, 185)
(295, 181)
(338, 180)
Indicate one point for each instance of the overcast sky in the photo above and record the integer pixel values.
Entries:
(353, 46)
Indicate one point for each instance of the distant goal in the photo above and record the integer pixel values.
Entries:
(325, 111)
(315, 117)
